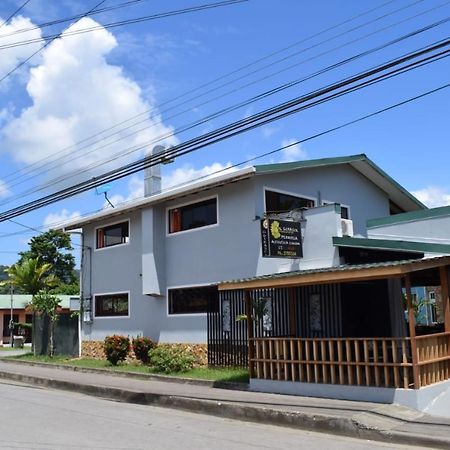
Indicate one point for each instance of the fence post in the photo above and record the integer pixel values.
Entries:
(443, 272)
(251, 349)
(412, 331)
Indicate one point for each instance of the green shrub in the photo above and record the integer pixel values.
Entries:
(171, 359)
(141, 346)
(116, 348)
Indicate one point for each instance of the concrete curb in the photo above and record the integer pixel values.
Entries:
(134, 375)
(344, 426)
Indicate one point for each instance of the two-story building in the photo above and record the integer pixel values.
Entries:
(150, 265)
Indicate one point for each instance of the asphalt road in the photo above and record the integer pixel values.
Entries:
(36, 418)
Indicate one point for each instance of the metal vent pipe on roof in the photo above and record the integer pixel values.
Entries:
(152, 175)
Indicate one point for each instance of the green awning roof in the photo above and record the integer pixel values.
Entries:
(21, 301)
(388, 244)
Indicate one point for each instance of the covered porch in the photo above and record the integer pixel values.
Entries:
(342, 326)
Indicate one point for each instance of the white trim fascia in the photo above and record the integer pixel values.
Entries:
(169, 194)
(200, 200)
(108, 225)
(112, 293)
(186, 286)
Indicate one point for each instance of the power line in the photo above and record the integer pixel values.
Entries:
(22, 63)
(54, 161)
(122, 23)
(41, 164)
(17, 11)
(279, 149)
(122, 153)
(256, 120)
(69, 19)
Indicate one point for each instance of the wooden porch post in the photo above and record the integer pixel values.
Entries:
(251, 348)
(443, 272)
(412, 331)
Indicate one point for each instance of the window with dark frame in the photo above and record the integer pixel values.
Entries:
(279, 202)
(345, 212)
(192, 300)
(111, 235)
(194, 215)
(111, 305)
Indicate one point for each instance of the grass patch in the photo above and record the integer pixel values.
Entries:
(234, 375)
(8, 349)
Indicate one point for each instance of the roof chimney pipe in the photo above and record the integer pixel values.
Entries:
(152, 175)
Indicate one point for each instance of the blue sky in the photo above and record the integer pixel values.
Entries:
(83, 84)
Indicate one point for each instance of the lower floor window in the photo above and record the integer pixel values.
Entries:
(192, 300)
(111, 305)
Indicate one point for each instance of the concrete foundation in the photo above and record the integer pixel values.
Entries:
(433, 399)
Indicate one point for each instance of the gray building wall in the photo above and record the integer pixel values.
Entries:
(154, 261)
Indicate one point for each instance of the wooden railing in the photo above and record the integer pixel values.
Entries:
(433, 358)
(382, 362)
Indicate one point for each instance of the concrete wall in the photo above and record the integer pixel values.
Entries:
(154, 261)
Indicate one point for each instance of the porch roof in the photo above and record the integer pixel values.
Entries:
(344, 273)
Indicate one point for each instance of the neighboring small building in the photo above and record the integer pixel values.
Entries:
(20, 313)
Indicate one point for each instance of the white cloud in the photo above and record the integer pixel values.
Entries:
(11, 57)
(433, 196)
(4, 191)
(58, 218)
(188, 173)
(292, 153)
(75, 93)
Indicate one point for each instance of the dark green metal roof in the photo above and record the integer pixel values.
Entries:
(439, 260)
(442, 211)
(387, 244)
(352, 160)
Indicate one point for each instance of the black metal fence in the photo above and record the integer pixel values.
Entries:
(306, 311)
(66, 339)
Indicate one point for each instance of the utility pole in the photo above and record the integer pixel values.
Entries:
(11, 321)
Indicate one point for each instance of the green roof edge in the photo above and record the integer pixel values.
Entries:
(280, 167)
(409, 216)
(413, 246)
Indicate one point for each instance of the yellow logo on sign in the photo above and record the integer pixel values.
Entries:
(275, 229)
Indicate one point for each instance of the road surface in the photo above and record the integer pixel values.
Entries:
(37, 418)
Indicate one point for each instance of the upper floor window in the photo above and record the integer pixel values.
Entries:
(194, 215)
(279, 202)
(116, 234)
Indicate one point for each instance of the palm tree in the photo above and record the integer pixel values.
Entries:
(34, 278)
(31, 276)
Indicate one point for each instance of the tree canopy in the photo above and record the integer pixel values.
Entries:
(52, 248)
(31, 276)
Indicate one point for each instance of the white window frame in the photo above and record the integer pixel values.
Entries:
(98, 294)
(180, 205)
(327, 202)
(280, 191)
(108, 225)
(186, 286)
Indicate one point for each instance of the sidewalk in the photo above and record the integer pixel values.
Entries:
(389, 423)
